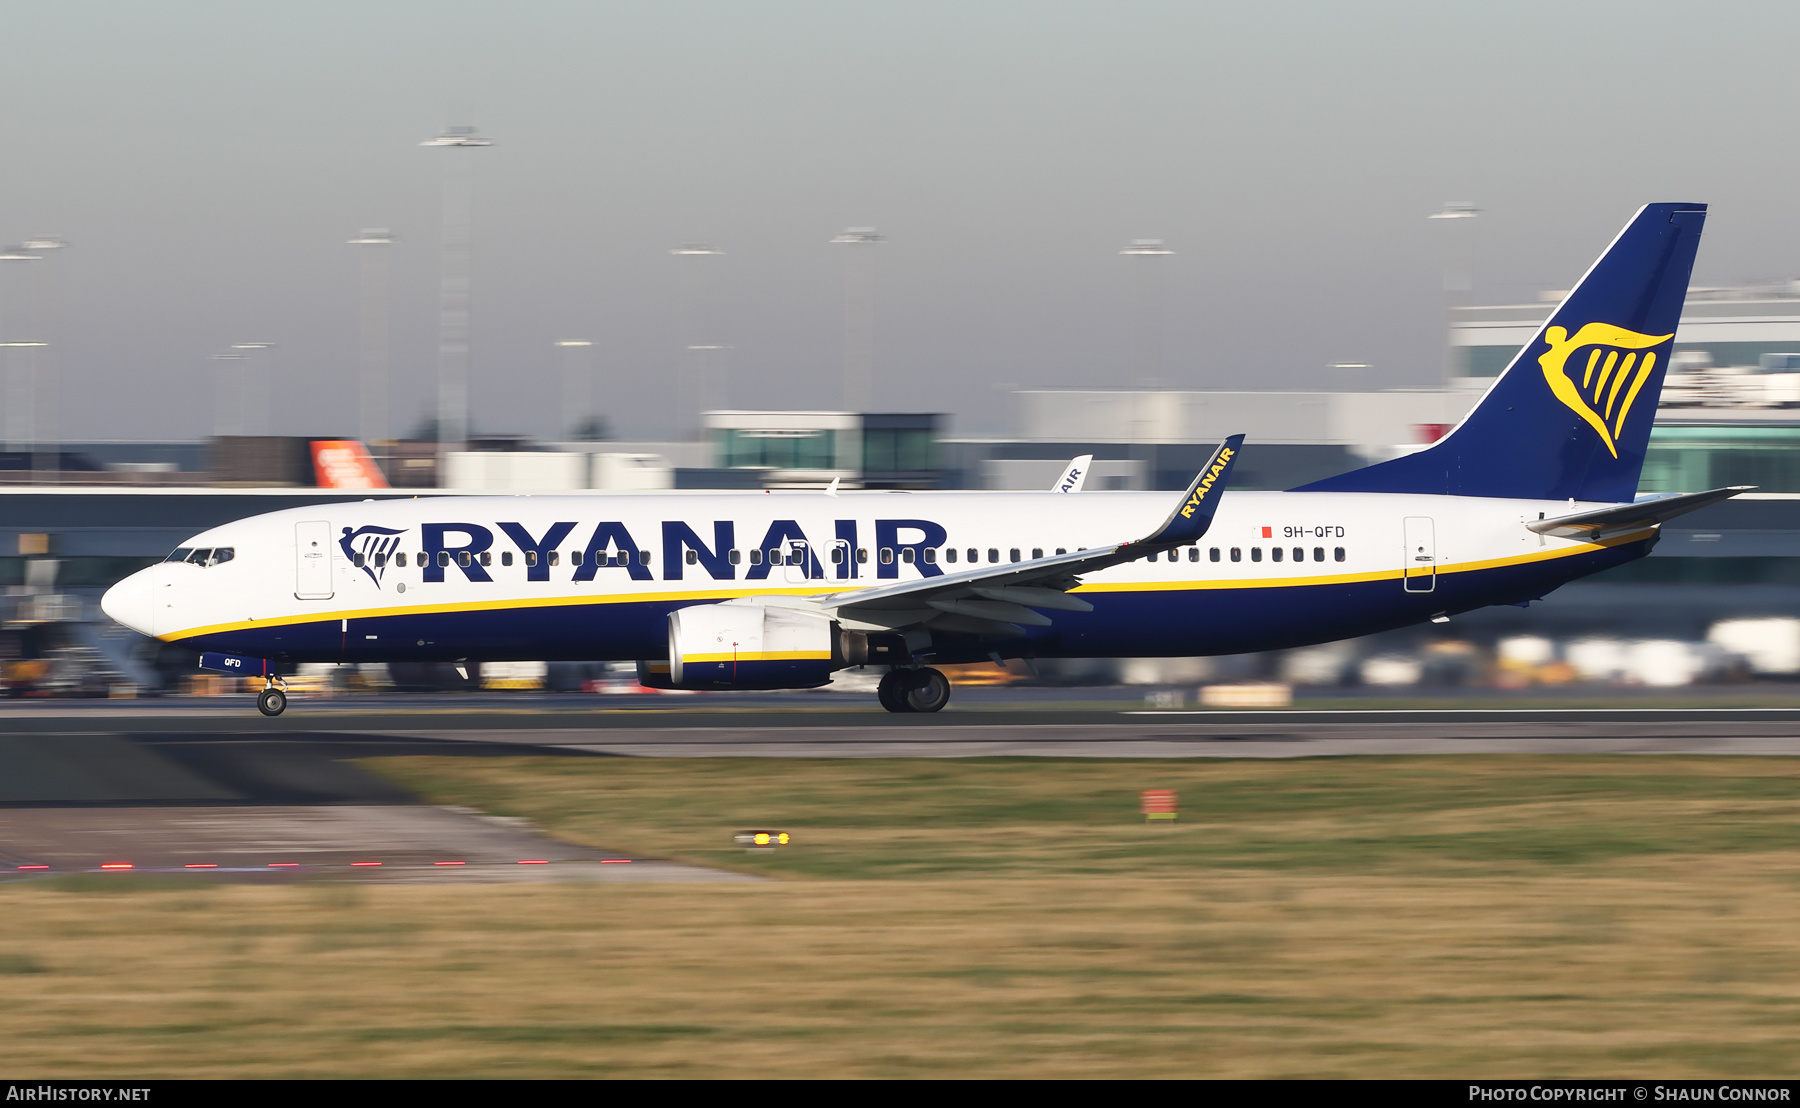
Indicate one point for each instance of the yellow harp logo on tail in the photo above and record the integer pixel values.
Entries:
(1611, 374)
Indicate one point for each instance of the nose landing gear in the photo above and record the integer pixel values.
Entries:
(272, 701)
(913, 690)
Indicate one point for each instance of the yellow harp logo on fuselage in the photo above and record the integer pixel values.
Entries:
(1611, 374)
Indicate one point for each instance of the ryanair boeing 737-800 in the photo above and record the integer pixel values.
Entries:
(1534, 488)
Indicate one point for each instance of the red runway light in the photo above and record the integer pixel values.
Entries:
(202, 865)
(365, 863)
(449, 863)
(34, 867)
(534, 862)
(115, 865)
(610, 861)
(282, 865)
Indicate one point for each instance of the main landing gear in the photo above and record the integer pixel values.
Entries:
(913, 690)
(272, 701)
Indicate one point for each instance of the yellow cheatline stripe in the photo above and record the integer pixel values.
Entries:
(759, 656)
(733, 594)
(481, 606)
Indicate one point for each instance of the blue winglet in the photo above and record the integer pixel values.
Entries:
(1189, 521)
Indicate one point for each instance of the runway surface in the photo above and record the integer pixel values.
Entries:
(214, 789)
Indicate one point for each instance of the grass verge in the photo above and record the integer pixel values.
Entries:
(1451, 917)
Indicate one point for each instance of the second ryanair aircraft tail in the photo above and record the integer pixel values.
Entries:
(1570, 418)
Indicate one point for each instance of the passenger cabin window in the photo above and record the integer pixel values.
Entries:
(356, 559)
(487, 558)
(1337, 555)
(907, 554)
(1299, 553)
(443, 557)
(643, 557)
(974, 555)
(179, 554)
(575, 558)
(400, 559)
(530, 558)
(930, 555)
(506, 557)
(993, 554)
(1062, 550)
(1173, 555)
(756, 557)
(1274, 554)
(465, 559)
(1237, 553)
(774, 557)
(1256, 553)
(862, 555)
(380, 560)
(1013, 554)
(1036, 553)
(693, 558)
(554, 555)
(1213, 554)
(837, 555)
(949, 553)
(734, 557)
(1318, 553)
(887, 555)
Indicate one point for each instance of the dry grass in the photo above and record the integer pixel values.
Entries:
(1427, 917)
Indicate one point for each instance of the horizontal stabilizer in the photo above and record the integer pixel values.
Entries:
(1624, 518)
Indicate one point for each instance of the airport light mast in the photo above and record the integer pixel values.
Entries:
(693, 387)
(453, 292)
(859, 316)
(48, 310)
(577, 382)
(373, 391)
(22, 364)
(1147, 330)
(1459, 269)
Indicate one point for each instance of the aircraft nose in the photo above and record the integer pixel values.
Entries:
(132, 601)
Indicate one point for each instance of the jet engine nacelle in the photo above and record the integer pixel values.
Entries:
(748, 646)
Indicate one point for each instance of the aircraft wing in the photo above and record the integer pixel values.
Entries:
(1621, 519)
(999, 600)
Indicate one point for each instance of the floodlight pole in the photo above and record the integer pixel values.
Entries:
(1459, 269)
(22, 363)
(1147, 332)
(693, 382)
(578, 389)
(453, 292)
(46, 464)
(859, 316)
(374, 388)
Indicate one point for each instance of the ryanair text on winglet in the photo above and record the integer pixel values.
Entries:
(1206, 484)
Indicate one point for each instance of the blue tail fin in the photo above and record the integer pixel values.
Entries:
(1570, 418)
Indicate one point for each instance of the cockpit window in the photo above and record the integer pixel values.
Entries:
(205, 555)
(180, 555)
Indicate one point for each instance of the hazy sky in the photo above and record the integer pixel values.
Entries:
(208, 160)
